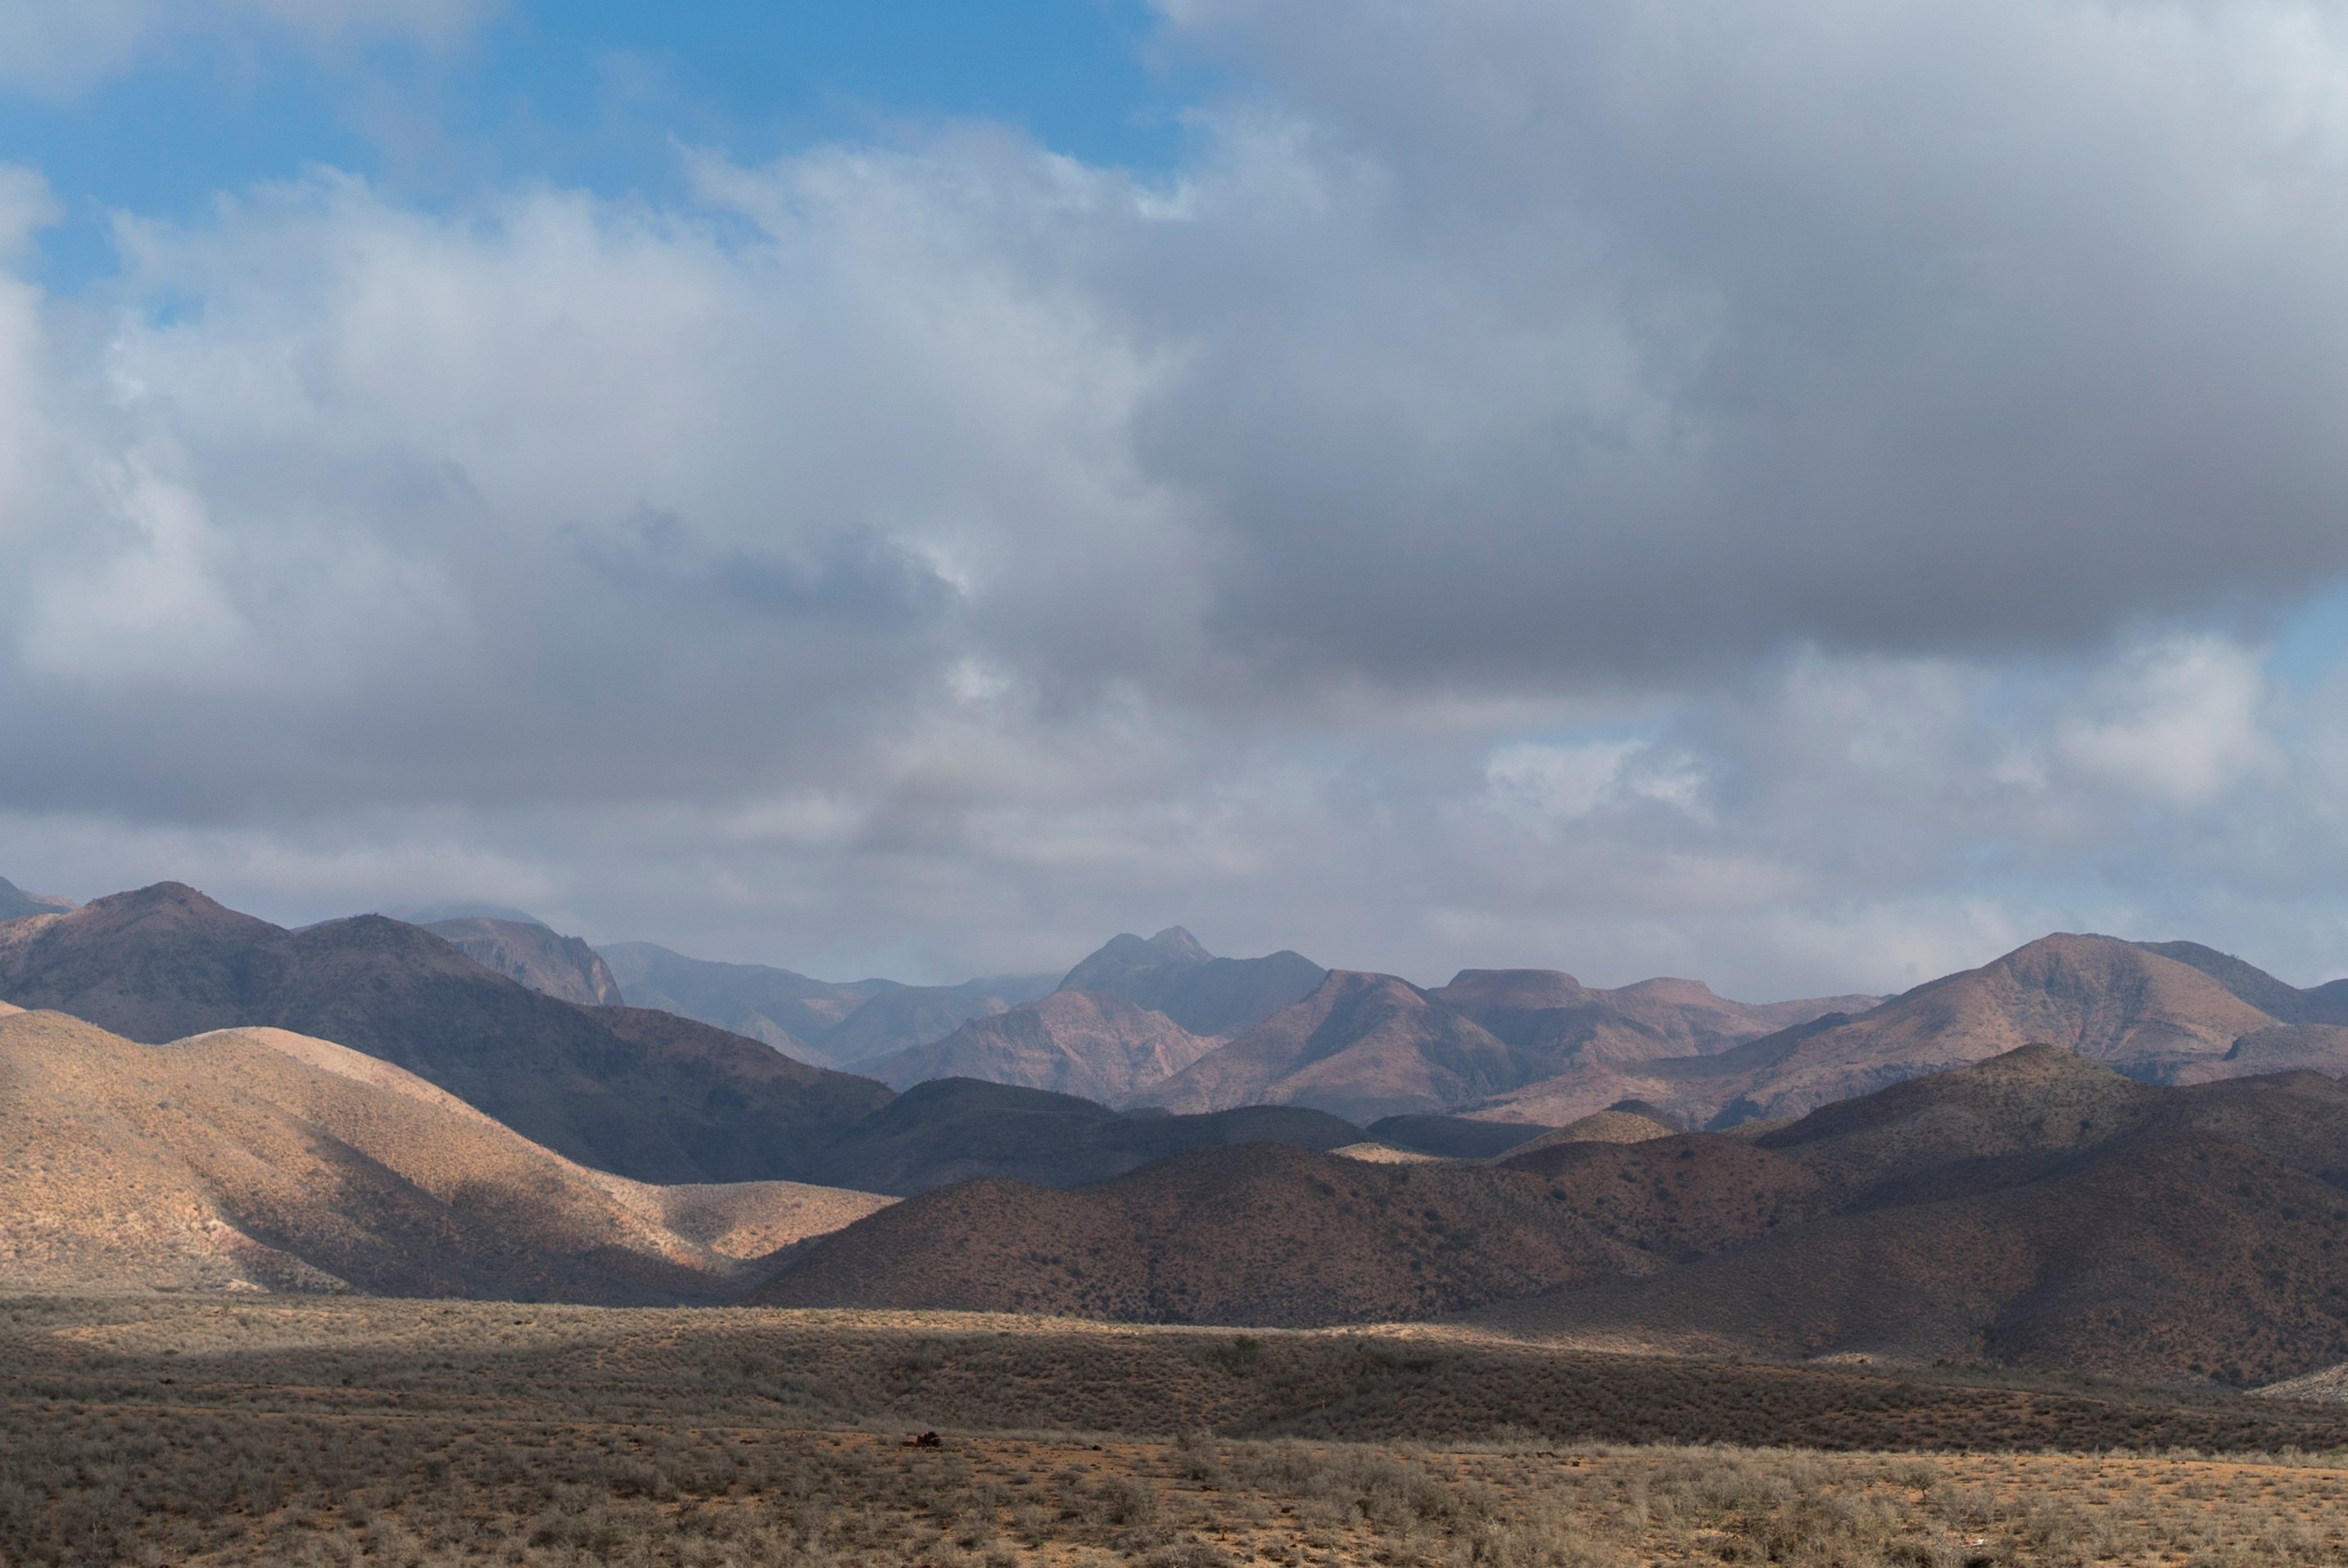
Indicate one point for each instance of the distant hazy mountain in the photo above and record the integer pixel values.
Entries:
(462, 909)
(641, 1093)
(1101, 1047)
(2124, 1004)
(1366, 1045)
(835, 1025)
(1171, 973)
(533, 955)
(15, 903)
(254, 1157)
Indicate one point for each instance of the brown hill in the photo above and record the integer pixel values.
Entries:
(2099, 1225)
(1600, 1127)
(1277, 1235)
(1259, 1235)
(642, 1093)
(533, 955)
(961, 1129)
(2038, 1209)
(1098, 1046)
(262, 1159)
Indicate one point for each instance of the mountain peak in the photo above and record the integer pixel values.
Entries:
(15, 903)
(1176, 945)
(1125, 956)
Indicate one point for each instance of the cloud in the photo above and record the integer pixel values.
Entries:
(56, 50)
(1907, 421)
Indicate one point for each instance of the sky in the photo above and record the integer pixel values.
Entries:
(1805, 495)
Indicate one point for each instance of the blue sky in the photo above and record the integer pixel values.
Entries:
(596, 93)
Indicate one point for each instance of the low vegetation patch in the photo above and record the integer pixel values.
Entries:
(202, 1431)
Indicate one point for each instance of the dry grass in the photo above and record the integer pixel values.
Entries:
(200, 1430)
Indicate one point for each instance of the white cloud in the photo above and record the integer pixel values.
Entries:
(952, 538)
(60, 47)
(2180, 722)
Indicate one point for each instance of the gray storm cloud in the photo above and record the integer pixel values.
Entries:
(1495, 490)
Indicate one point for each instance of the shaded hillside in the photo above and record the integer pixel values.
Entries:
(261, 1158)
(2038, 1209)
(642, 1093)
(15, 903)
(1262, 1234)
(1098, 1046)
(531, 954)
(1453, 1137)
(1171, 973)
(959, 1129)
(2116, 1002)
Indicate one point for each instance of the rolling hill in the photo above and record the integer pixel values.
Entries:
(638, 1093)
(260, 1159)
(2038, 1208)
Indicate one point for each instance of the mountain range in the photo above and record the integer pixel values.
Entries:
(847, 1026)
(2088, 1153)
(635, 1092)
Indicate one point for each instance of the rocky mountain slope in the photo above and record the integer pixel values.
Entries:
(531, 954)
(255, 1158)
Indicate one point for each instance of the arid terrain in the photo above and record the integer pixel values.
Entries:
(196, 1430)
